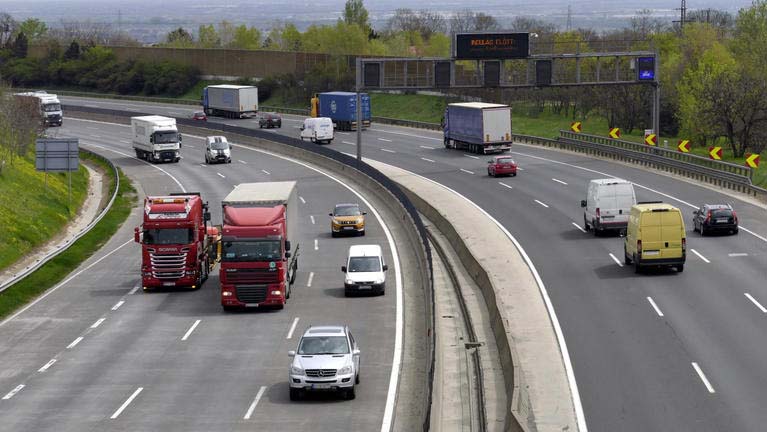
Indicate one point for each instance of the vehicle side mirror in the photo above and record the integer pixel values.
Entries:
(330, 214)
(151, 139)
(180, 138)
(364, 213)
(137, 235)
(301, 128)
(291, 353)
(356, 352)
(622, 233)
(287, 254)
(583, 203)
(206, 216)
(385, 267)
(287, 245)
(343, 269)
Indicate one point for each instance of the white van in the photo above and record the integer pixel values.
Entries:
(317, 129)
(365, 270)
(608, 205)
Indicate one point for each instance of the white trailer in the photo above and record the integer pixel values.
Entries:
(478, 127)
(49, 105)
(228, 100)
(156, 138)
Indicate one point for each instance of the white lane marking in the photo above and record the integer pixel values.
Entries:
(191, 329)
(316, 245)
(221, 175)
(559, 181)
(96, 136)
(701, 256)
(47, 365)
(265, 172)
(387, 150)
(242, 161)
(203, 165)
(133, 291)
(467, 171)
(311, 217)
(292, 328)
(69, 279)
(98, 323)
(753, 300)
(126, 403)
(505, 185)
(617, 261)
(13, 392)
(143, 161)
(542, 203)
(427, 147)
(255, 402)
(578, 226)
(92, 128)
(654, 306)
(427, 160)
(760, 237)
(739, 254)
(470, 156)
(520, 169)
(311, 278)
(74, 342)
(118, 304)
(303, 201)
(703, 378)
(579, 414)
(124, 141)
(349, 154)
(384, 139)
(349, 142)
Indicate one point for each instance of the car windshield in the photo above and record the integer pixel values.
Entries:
(255, 250)
(165, 137)
(168, 236)
(319, 345)
(364, 264)
(219, 145)
(505, 160)
(347, 211)
(199, 114)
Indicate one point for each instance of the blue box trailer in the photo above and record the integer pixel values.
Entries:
(341, 107)
(478, 127)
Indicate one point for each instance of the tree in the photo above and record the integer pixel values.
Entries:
(424, 22)
(355, 13)
(207, 37)
(73, 52)
(179, 38)
(226, 33)
(467, 20)
(20, 46)
(19, 126)
(33, 29)
(246, 38)
(8, 27)
(644, 24)
(722, 20)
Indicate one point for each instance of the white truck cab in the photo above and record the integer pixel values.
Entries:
(317, 129)
(156, 138)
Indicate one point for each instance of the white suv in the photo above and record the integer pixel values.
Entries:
(327, 359)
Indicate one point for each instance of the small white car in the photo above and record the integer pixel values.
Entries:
(327, 359)
(365, 270)
(217, 150)
(317, 130)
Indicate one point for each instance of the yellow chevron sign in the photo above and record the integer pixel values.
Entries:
(715, 153)
(684, 146)
(752, 160)
(651, 139)
(576, 127)
(615, 133)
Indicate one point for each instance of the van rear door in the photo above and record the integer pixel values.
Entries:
(672, 230)
(661, 234)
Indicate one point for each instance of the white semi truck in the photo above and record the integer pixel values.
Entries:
(228, 100)
(156, 138)
(49, 104)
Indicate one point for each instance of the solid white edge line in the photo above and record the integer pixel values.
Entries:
(118, 304)
(255, 402)
(578, 226)
(542, 203)
(74, 342)
(657, 309)
(126, 403)
(311, 278)
(47, 365)
(617, 261)
(580, 417)
(703, 378)
(559, 181)
(292, 328)
(47, 293)
(13, 392)
(97, 323)
(191, 329)
(701, 256)
(756, 303)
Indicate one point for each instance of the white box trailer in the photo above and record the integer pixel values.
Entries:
(478, 127)
(156, 138)
(228, 100)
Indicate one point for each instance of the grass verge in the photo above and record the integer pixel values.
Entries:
(59, 267)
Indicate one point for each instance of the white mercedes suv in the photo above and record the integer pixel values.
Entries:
(327, 359)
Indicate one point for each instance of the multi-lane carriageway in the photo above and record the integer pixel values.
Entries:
(97, 353)
(654, 352)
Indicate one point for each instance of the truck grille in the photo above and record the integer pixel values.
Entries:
(252, 276)
(251, 293)
(320, 373)
(168, 266)
(168, 154)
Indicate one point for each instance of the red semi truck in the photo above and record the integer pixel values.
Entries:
(258, 267)
(178, 247)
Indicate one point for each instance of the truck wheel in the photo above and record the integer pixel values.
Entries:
(626, 258)
(138, 154)
(585, 224)
(680, 268)
(595, 228)
(637, 268)
(295, 394)
(350, 394)
(447, 143)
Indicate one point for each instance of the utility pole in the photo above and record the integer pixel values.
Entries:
(682, 14)
(569, 18)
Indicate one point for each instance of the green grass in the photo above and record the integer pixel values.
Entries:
(415, 107)
(31, 212)
(58, 268)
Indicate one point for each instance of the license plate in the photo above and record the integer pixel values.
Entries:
(169, 284)
(365, 287)
(348, 227)
(608, 217)
(251, 304)
(650, 253)
(723, 220)
(321, 386)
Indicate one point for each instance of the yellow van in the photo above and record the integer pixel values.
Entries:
(655, 236)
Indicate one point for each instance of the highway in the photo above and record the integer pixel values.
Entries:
(652, 352)
(98, 353)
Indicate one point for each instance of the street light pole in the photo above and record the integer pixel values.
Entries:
(359, 109)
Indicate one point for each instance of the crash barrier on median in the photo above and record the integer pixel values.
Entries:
(386, 190)
(66, 244)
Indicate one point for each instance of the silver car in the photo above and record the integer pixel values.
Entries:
(327, 359)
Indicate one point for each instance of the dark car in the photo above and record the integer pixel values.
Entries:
(715, 218)
(269, 120)
(501, 165)
(199, 115)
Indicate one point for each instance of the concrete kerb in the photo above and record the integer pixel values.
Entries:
(412, 414)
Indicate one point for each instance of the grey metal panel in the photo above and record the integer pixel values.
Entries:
(57, 154)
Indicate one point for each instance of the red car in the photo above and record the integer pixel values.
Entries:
(501, 165)
(199, 115)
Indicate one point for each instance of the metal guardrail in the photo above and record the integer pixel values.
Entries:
(65, 245)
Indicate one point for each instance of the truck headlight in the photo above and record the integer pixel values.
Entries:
(345, 370)
(295, 370)
(276, 292)
(226, 293)
(349, 282)
(380, 280)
